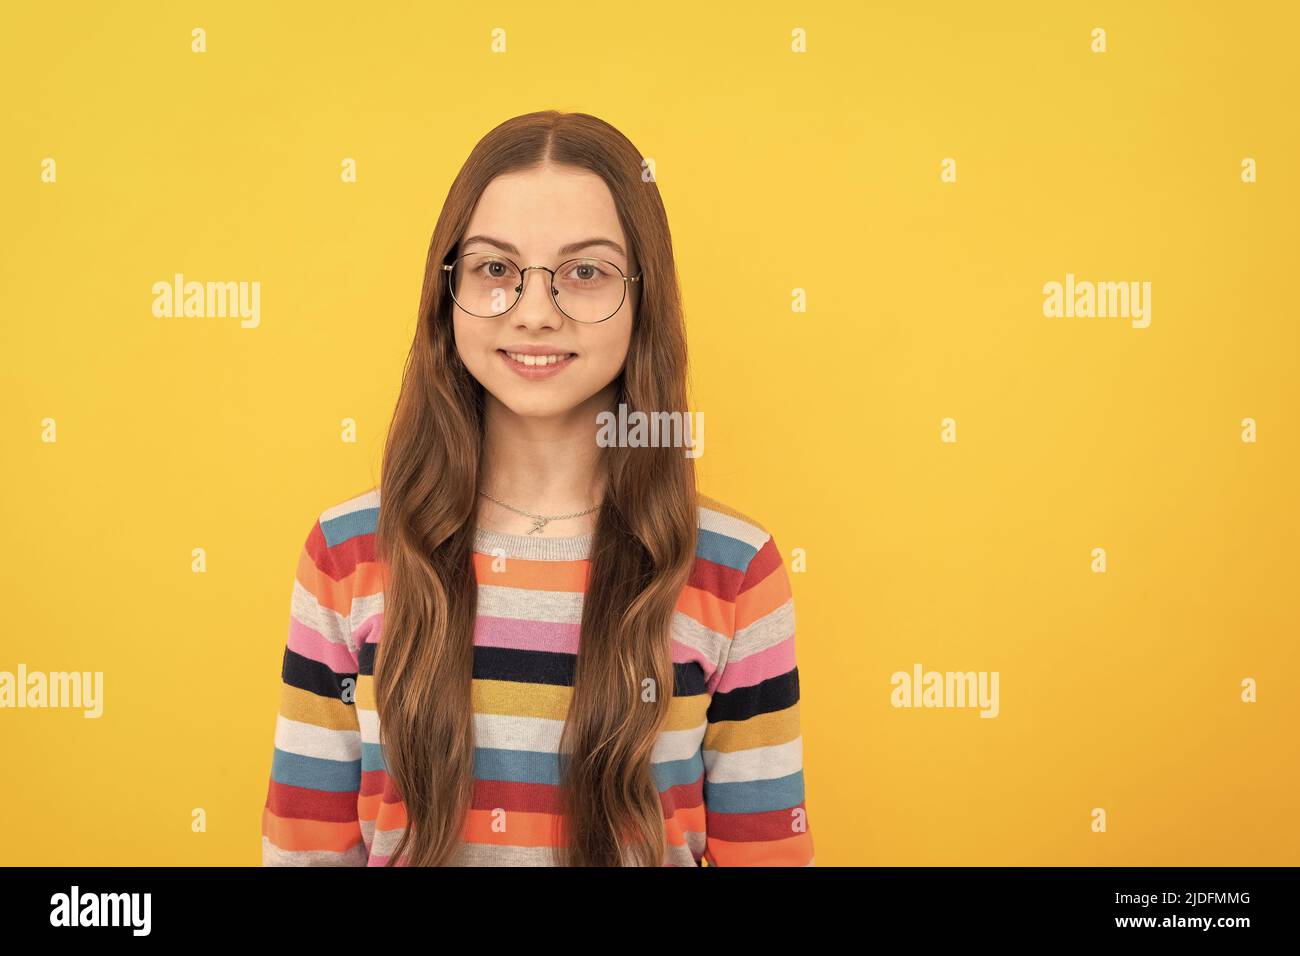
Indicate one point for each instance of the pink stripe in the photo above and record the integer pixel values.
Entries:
(526, 635)
(311, 644)
(684, 654)
(368, 632)
(772, 662)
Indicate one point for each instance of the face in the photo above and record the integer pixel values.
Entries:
(544, 217)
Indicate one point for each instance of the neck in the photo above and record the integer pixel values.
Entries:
(548, 466)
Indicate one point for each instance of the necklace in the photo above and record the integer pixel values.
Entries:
(539, 521)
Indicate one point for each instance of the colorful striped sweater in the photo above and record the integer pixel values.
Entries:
(728, 763)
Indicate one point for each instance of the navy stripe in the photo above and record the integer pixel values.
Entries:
(765, 697)
(314, 677)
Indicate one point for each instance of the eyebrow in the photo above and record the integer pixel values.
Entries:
(564, 250)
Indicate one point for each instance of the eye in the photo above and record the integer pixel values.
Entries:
(587, 272)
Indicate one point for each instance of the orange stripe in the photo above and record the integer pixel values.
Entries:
(792, 851)
(708, 609)
(297, 835)
(391, 816)
(367, 578)
(684, 819)
(521, 828)
(763, 598)
(368, 806)
(568, 576)
(335, 595)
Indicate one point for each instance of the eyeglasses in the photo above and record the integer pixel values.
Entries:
(487, 284)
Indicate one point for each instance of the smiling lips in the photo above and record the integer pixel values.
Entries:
(534, 363)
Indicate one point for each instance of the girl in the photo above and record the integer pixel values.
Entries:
(436, 708)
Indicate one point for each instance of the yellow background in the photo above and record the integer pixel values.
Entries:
(779, 170)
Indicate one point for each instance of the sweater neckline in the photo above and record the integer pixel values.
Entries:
(531, 547)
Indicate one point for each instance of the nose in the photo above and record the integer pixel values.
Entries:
(536, 308)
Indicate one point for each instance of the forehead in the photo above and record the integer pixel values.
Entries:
(540, 210)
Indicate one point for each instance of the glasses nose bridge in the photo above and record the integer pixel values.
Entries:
(550, 283)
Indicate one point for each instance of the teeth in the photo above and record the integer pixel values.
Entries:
(536, 359)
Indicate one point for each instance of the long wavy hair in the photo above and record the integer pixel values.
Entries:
(641, 557)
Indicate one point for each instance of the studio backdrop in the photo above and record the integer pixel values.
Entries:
(992, 324)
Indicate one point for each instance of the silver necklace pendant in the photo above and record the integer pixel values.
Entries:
(539, 521)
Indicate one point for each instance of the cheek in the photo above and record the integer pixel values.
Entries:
(471, 342)
(604, 363)
(610, 352)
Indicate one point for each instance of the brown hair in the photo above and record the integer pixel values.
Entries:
(641, 557)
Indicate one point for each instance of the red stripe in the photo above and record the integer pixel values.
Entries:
(764, 561)
(517, 796)
(717, 579)
(751, 827)
(300, 803)
(342, 559)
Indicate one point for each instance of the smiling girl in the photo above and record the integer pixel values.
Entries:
(524, 647)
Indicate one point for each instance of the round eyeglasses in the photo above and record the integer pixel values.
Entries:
(488, 284)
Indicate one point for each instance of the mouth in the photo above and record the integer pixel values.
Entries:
(537, 366)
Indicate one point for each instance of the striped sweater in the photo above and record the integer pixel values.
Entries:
(728, 763)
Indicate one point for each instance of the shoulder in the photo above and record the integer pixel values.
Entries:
(737, 559)
(731, 538)
(350, 518)
(343, 535)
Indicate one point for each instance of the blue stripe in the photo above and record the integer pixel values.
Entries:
(337, 530)
(530, 766)
(676, 773)
(754, 796)
(724, 549)
(516, 766)
(372, 757)
(315, 773)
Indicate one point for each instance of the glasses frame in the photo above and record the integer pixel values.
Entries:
(523, 282)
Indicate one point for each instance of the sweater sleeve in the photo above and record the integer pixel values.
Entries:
(310, 817)
(753, 744)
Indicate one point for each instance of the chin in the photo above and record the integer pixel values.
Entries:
(535, 405)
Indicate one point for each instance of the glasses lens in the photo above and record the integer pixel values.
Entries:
(589, 290)
(485, 284)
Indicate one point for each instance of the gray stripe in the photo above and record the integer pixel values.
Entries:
(768, 631)
(490, 854)
(691, 633)
(532, 607)
(534, 547)
(274, 856)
